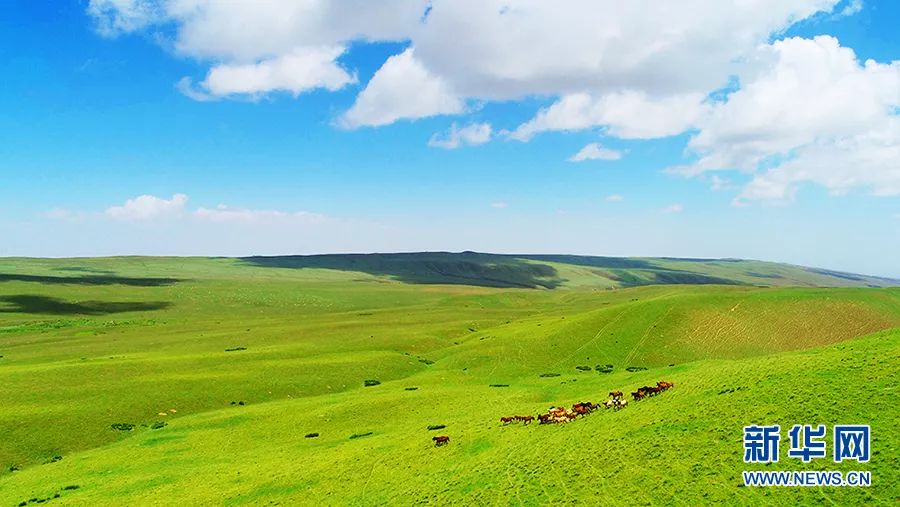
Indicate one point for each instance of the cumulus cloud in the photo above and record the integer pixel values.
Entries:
(497, 49)
(223, 213)
(265, 46)
(673, 208)
(149, 208)
(594, 151)
(297, 72)
(627, 115)
(471, 135)
(807, 112)
(146, 207)
(719, 184)
(402, 89)
(61, 214)
(852, 7)
(476, 49)
(787, 112)
(115, 17)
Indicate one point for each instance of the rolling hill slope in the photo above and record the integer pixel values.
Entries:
(374, 446)
(86, 344)
(552, 271)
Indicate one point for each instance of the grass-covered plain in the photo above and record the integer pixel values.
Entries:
(88, 343)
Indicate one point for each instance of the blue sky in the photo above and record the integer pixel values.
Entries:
(205, 128)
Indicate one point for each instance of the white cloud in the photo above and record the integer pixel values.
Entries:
(402, 89)
(115, 17)
(59, 214)
(615, 198)
(472, 135)
(223, 213)
(852, 7)
(297, 72)
(499, 205)
(719, 184)
(497, 49)
(807, 112)
(147, 207)
(641, 74)
(627, 115)
(265, 46)
(245, 32)
(594, 151)
(673, 208)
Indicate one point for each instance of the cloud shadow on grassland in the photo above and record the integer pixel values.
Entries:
(89, 280)
(467, 268)
(26, 303)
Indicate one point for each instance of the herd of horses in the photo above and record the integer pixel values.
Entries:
(616, 401)
(558, 415)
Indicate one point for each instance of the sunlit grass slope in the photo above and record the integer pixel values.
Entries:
(88, 343)
(682, 447)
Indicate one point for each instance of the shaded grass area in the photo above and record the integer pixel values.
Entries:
(96, 279)
(554, 271)
(25, 303)
(468, 268)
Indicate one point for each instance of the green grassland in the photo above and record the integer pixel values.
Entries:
(88, 343)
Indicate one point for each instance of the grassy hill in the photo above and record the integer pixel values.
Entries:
(89, 343)
(552, 271)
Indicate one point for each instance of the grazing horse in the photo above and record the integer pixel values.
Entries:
(583, 409)
(580, 410)
(441, 440)
(557, 411)
(615, 394)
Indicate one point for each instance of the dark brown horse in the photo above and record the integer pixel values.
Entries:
(441, 440)
(615, 394)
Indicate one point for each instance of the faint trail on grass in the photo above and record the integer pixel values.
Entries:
(615, 319)
(643, 339)
(594, 339)
(362, 492)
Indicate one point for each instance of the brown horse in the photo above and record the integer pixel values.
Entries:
(507, 420)
(525, 418)
(639, 395)
(441, 440)
(615, 394)
(544, 419)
